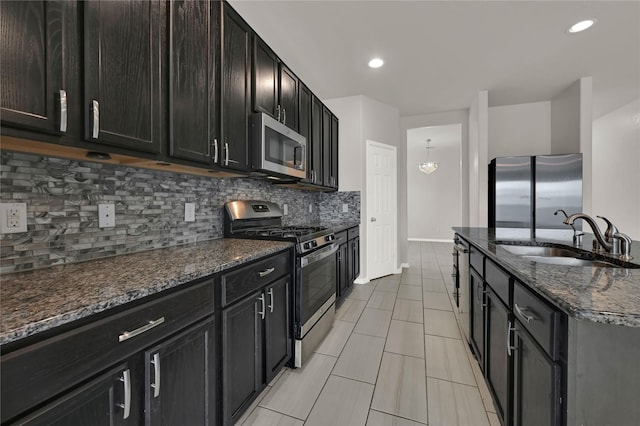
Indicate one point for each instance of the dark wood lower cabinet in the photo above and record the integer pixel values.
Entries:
(278, 341)
(180, 378)
(242, 329)
(497, 358)
(95, 403)
(342, 270)
(536, 385)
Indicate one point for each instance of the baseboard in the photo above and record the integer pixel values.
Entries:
(431, 240)
(404, 265)
(361, 280)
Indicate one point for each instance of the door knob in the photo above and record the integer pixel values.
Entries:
(373, 219)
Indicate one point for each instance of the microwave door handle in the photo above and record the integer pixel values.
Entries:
(298, 163)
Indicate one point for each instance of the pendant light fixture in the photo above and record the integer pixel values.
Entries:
(428, 166)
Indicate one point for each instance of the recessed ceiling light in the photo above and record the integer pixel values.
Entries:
(376, 63)
(582, 25)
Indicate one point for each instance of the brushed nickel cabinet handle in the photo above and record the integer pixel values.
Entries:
(95, 108)
(510, 328)
(126, 382)
(266, 272)
(278, 112)
(226, 153)
(523, 313)
(129, 334)
(63, 111)
(270, 300)
(156, 374)
(262, 308)
(284, 115)
(215, 150)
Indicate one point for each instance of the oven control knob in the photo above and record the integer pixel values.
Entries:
(314, 243)
(330, 237)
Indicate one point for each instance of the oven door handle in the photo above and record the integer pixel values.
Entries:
(319, 255)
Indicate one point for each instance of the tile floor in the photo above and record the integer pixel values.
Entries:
(394, 356)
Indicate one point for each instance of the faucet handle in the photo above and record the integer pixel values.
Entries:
(625, 245)
(611, 229)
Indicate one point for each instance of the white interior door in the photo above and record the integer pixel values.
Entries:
(382, 202)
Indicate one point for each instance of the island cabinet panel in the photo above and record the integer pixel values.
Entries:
(477, 305)
(122, 74)
(497, 354)
(194, 76)
(33, 87)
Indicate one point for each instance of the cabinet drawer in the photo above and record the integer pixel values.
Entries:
(498, 280)
(245, 279)
(539, 318)
(353, 232)
(476, 259)
(341, 237)
(40, 371)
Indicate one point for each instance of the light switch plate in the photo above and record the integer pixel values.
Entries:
(106, 215)
(310, 208)
(189, 212)
(13, 218)
(345, 208)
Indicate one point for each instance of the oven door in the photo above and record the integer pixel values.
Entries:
(316, 285)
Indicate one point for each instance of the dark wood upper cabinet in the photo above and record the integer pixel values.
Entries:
(234, 150)
(122, 73)
(316, 143)
(304, 124)
(194, 69)
(288, 97)
(33, 83)
(265, 79)
(326, 147)
(334, 152)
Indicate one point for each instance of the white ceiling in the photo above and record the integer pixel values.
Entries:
(439, 54)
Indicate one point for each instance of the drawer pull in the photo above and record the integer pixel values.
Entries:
(126, 382)
(156, 374)
(129, 334)
(270, 300)
(95, 126)
(523, 313)
(262, 307)
(266, 272)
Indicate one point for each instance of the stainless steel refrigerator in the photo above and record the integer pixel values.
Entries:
(524, 192)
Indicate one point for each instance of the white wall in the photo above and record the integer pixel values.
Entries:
(522, 129)
(434, 201)
(428, 120)
(565, 121)
(478, 160)
(364, 119)
(616, 171)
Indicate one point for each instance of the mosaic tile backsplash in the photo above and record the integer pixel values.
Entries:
(62, 199)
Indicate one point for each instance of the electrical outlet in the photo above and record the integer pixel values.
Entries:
(106, 215)
(285, 209)
(189, 212)
(345, 208)
(310, 208)
(13, 218)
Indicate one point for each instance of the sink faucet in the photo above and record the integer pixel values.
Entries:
(610, 243)
(577, 238)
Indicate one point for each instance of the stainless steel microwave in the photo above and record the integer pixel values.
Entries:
(276, 148)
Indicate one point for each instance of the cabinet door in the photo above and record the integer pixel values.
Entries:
(32, 69)
(326, 147)
(342, 270)
(242, 329)
(278, 343)
(536, 384)
(233, 151)
(288, 84)
(498, 361)
(304, 124)
(121, 73)
(354, 259)
(265, 79)
(315, 165)
(194, 44)
(180, 378)
(476, 285)
(334, 152)
(96, 403)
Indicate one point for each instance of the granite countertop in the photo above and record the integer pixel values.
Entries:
(41, 299)
(598, 294)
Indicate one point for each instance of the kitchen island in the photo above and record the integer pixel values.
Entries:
(557, 344)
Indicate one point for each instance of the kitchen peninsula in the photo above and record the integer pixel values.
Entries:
(557, 344)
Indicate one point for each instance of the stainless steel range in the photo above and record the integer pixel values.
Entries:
(315, 273)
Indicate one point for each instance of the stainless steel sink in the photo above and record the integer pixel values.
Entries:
(561, 256)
